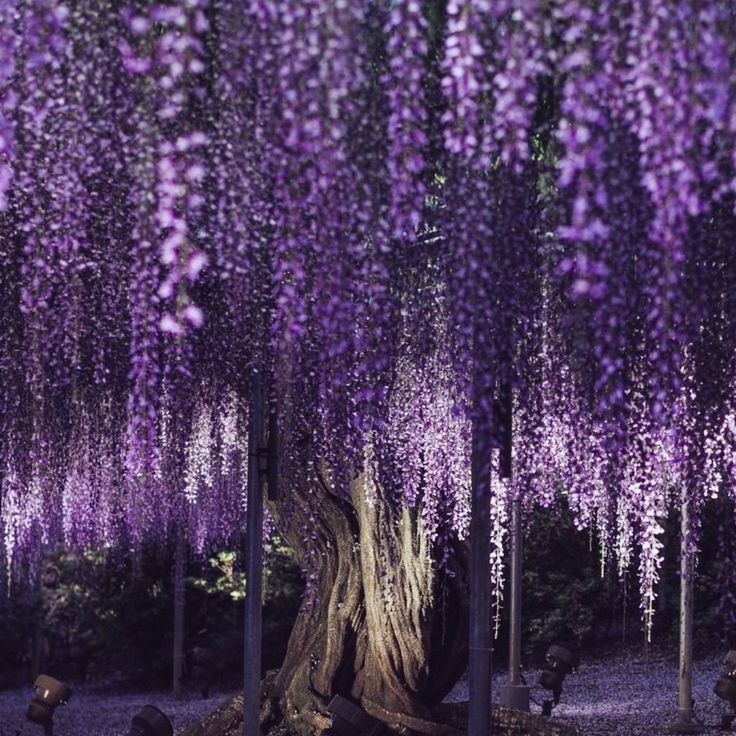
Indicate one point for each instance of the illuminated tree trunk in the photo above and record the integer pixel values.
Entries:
(386, 628)
(383, 627)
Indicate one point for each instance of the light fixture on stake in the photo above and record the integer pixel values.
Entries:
(150, 721)
(725, 689)
(350, 720)
(558, 663)
(49, 693)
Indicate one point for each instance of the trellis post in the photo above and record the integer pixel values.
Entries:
(684, 722)
(479, 653)
(514, 694)
(486, 435)
(179, 605)
(254, 564)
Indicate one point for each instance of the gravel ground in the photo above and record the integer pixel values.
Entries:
(626, 696)
(97, 714)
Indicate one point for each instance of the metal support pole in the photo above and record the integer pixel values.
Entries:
(479, 659)
(515, 643)
(253, 567)
(514, 694)
(179, 603)
(685, 723)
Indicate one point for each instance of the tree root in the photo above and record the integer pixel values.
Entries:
(447, 719)
(403, 722)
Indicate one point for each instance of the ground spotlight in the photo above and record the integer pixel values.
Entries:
(558, 662)
(725, 688)
(350, 720)
(150, 721)
(48, 694)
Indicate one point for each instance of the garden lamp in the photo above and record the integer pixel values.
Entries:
(558, 662)
(350, 720)
(150, 721)
(725, 688)
(48, 694)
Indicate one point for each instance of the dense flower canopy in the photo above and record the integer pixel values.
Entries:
(391, 211)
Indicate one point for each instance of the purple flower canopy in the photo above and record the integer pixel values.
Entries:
(390, 212)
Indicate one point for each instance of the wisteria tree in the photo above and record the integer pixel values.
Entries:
(390, 213)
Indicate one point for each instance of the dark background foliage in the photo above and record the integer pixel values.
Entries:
(566, 599)
(89, 616)
(112, 622)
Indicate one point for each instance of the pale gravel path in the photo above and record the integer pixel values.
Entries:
(95, 714)
(626, 696)
(616, 697)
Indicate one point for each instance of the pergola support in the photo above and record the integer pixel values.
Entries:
(684, 722)
(254, 565)
(479, 654)
(180, 554)
(485, 437)
(514, 694)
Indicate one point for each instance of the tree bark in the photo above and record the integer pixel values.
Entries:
(226, 720)
(382, 624)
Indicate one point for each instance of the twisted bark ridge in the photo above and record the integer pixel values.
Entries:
(384, 626)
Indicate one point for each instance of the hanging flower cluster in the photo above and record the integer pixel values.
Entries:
(465, 83)
(392, 216)
(8, 43)
(406, 50)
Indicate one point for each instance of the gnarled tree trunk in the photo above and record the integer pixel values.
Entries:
(383, 625)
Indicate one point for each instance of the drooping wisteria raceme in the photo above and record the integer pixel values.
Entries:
(392, 215)
(8, 43)
(407, 49)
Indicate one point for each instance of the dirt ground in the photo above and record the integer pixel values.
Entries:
(632, 695)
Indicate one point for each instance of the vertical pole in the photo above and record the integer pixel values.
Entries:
(36, 650)
(37, 639)
(686, 621)
(515, 633)
(684, 723)
(253, 567)
(179, 602)
(274, 450)
(479, 654)
(514, 694)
